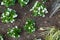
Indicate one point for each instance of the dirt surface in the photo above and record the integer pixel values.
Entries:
(24, 13)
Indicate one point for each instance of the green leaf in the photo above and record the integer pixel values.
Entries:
(23, 2)
(8, 3)
(29, 26)
(14, 32)
(39, 9)
(8, 16)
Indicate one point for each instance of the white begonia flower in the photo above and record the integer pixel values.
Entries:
(33, 30)
(2, 3)
(41, 7)
(11, 30)
(12, 21)
(7, 13)
(43, 2)
(29, 28)
(16, 27)
(22, 0)
(7, 32)
(34, 23)
(6, 21)
(18, 35)
(26, 22)
(9, 9)
(13, 36)
(25, 2)
(2, 14)
(39, 11)
(43, 16)
(46, 11)
(14, 15)
(43, 10)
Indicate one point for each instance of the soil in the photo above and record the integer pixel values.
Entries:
(23, 13)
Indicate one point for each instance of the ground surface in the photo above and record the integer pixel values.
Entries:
(24, 13)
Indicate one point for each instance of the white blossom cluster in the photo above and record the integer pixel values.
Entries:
(14, 32)
(29, 26)
(39, 9)
(23, 2)
(9, 15)
(8, 3)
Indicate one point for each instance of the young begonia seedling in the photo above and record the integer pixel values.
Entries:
(8, 3)
(29, 26)
(23, 2)
(8, 16)
(39, 9)
(14, 32)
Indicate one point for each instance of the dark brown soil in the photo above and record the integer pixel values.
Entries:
(24, 13)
